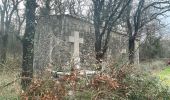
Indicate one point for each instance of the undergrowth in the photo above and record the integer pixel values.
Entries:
(10, 80)
(124, 83)
(118, 83)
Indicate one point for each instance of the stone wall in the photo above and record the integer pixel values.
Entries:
(52, 45)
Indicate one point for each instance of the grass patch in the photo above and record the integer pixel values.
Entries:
(152, 66)
(9, 98)
(12, 91)
(9, 79)
(164, 75)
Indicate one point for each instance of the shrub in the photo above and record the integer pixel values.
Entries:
(145, 87)
(122, 83)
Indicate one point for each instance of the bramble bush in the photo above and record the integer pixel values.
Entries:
(117, 83)
(124, 83)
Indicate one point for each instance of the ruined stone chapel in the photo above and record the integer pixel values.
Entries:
(59, 38)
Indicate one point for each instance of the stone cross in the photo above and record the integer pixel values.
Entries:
(76, 40)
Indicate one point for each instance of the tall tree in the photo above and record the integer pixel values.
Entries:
(59, 7)
(139, 14)
(28, 44)
(20, 19)
(46, 7)
(7, 9)
(106, 13)
(151, 48)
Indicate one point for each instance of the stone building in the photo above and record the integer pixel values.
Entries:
(53, 44)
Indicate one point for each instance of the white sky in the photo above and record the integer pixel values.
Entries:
(166, 21)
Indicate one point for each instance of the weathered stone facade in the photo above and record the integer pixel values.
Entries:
(52, 41)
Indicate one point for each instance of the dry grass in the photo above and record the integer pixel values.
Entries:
(9, 80)
(152, 66)
(8, 86)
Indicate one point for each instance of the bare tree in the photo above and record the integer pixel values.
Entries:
(20, 22)
(140, 14)
(28, 44)
(105, 15)
(45, 9)
(7, 9)
(59, 7)
(151, 47)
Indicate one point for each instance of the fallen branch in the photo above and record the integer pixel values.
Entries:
(10, 83)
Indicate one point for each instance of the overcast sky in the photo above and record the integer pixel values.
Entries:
(166, 21)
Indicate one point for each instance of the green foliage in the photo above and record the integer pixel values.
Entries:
(164, 75)
(166, 48)
(152, 66)
(151, 48)
(146, 87)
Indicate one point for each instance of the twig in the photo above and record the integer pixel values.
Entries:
(2, 87)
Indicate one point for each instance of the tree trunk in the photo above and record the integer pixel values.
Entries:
(98, 50)
(4, 48)
(99, 53)
(131, 50)
(28, 44)
(2, 35)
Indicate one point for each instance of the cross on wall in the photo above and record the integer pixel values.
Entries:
(76, 40)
